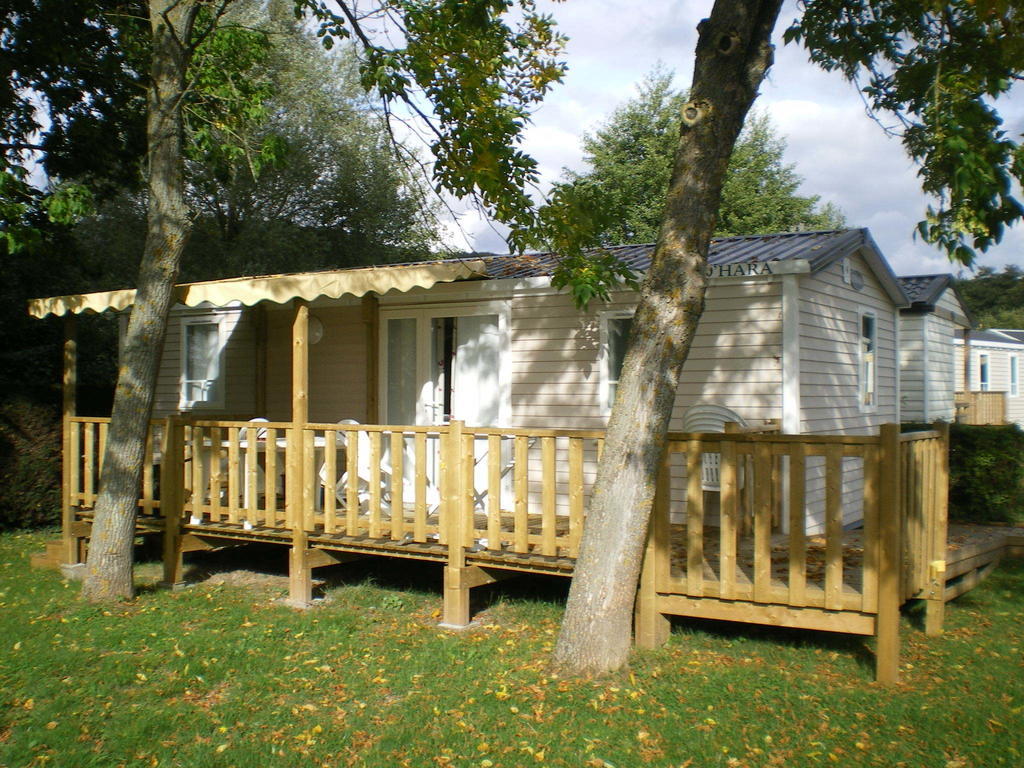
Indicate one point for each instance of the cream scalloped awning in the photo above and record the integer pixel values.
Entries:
(277, 288)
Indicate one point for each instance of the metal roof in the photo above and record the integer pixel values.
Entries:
(819, 248)
(994, 337)
(924, 289)
(1016, 335)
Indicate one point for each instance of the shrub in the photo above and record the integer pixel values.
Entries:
(986, 473)
(30, 468)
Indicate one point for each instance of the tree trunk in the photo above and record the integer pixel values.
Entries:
(733, 54)
(108, 573)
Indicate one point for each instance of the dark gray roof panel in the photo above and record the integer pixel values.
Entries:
(1016, 335)
(1000, 337)
(819, 248)
(924, 290)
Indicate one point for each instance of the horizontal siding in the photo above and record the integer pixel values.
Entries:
(940, 372)
(830, 352)
(557, 364)
(337, 366)
(912, 367)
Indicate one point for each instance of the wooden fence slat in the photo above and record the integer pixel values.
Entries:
(251, 501)
(352, 483)
(101, 446)
(872, 498)
(694, 519)
(214, 482)
(798, 526)
(89, 440)
(548, 521)
(147, 468)
(468, 506)
(575, 494)
(198, 486)
(728, 472)
(494, 492)
(270, 516)
(74, 459)
(833, 528)
(661, 546)
(310, 481)
(374, 485)
(762, 522)
(233, 471)
(397, 485)
(330, 480)
(420, 522)
(520, 477)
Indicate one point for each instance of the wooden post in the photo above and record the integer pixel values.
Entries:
(935, 608)
(300, 581)
(371, 322)
(172, 474)
(651, 628)
(890, 569)
(260, 374)
(71, 549)
(456, 587)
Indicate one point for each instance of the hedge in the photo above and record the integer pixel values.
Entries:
(986, 474)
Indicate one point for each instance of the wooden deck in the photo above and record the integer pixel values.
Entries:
(489, 502)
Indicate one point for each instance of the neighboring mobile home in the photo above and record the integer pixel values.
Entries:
(928, 327)
(991, 390)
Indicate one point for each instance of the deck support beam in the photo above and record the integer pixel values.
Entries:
(457, 585)
(890, 566)
(371, 323)
(172, 478)
(300, 580)
(935, 608)
(72, 547)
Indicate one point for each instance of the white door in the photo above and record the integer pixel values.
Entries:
(439, 364)
(443, 364)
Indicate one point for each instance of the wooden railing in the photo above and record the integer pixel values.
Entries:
(86, 440)
(818, 531)
(980, 407)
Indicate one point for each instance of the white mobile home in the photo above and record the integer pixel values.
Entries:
(928, 327)
(991, 389)
(800, 333)
(800, 330)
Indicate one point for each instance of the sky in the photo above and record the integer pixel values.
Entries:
(841, 153)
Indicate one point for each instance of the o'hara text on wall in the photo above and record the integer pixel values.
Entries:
(750, 269)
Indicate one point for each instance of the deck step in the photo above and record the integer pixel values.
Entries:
(51, 557)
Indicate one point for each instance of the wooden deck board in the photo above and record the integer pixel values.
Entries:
(969, 547)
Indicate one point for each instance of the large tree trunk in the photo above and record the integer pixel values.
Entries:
(733, 54)
(108, 573)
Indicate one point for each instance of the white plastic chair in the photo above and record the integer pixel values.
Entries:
(706, 417)
(245, 434)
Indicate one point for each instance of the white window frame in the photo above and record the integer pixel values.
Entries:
(862, 362)
(984, 372)
(604, 319)
(216, 392)
(1014, 376)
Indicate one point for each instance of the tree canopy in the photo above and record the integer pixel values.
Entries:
(630, 160)
(995, 298)
(336, 194)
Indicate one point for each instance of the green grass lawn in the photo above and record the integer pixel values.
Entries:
(220, 675)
